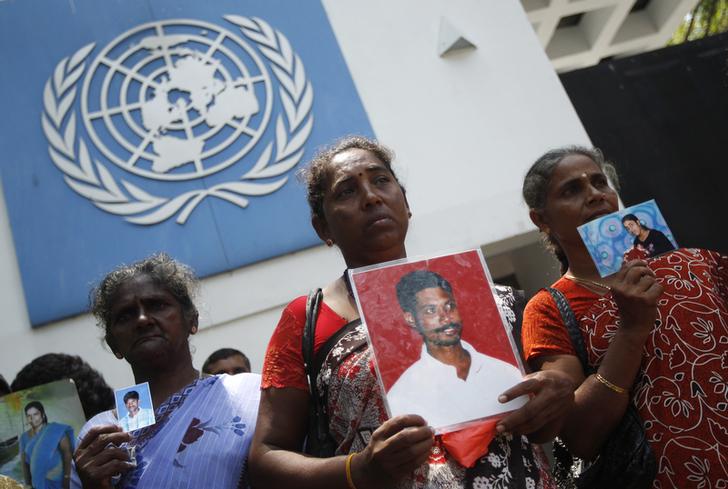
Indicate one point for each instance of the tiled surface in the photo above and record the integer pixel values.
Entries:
(579, 33)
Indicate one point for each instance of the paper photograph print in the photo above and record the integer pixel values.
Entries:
(38, 431)
(439, 340)
(637, 232)
(134, 407)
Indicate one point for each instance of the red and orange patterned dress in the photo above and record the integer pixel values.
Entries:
(681, 391)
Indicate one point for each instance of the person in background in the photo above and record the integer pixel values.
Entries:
(93, 391)
(226, 361)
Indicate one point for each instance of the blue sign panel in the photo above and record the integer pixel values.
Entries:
(161, 125)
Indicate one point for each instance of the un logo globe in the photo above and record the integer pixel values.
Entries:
(179, 100)
(176, 100)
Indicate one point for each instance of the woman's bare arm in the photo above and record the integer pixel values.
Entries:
(65, 447)
(396, 449)
(542, 417)
(24, 465)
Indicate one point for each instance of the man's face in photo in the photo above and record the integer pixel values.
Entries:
(132, 405)
(436, 317)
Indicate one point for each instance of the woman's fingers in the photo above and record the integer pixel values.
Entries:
(653, 292)
(397, 424)
(528, 386)
(97, 431)
(552, 395)
(105, 456)
(105, 439)
(405, 443)
(407, 462)
(97, 473)
(98, 456)
(635, 272)
(537, 418)
(397, 447)
(636, 291)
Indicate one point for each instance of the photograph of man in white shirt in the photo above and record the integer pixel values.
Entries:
(451, 383)
(136, 417)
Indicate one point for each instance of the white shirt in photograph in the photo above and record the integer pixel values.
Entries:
(433, 389)
(144, 417)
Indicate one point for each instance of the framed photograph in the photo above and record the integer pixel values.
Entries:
(38, 431)
(441, 345)
(134, 407)
(637, 232)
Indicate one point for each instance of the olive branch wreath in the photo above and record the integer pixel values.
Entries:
(93, 180)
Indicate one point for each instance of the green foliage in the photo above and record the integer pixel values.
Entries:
(707, 18)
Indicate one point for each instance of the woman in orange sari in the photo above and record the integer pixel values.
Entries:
(655, 332)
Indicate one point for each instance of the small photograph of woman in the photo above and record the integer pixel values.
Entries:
(652, 241)
(45, 450)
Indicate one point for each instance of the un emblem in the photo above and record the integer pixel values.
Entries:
(178, 100)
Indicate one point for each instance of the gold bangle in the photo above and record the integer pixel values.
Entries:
(609, 385)
(349, 479)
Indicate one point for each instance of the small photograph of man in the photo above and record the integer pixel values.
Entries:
(134, 407)
(451, 381)
(226, 361)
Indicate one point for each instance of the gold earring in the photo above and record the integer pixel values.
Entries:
(329, 242)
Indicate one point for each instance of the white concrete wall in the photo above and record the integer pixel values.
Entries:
(465, 129)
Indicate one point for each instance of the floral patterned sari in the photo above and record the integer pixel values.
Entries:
(201, 437)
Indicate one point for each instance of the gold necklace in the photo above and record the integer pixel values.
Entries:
(584, 281)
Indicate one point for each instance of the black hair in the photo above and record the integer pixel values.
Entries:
(316, 174)
(221, 354)
(4, 387)
(131, 395)
(410, 284)
(632, 217)
(37, 405)
(95, 394)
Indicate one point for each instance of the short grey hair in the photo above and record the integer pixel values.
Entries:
(176, 278)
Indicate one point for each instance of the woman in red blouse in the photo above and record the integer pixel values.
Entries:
(655, 331)
(358, 204)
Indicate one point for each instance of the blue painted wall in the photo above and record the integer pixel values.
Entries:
(64, 242)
